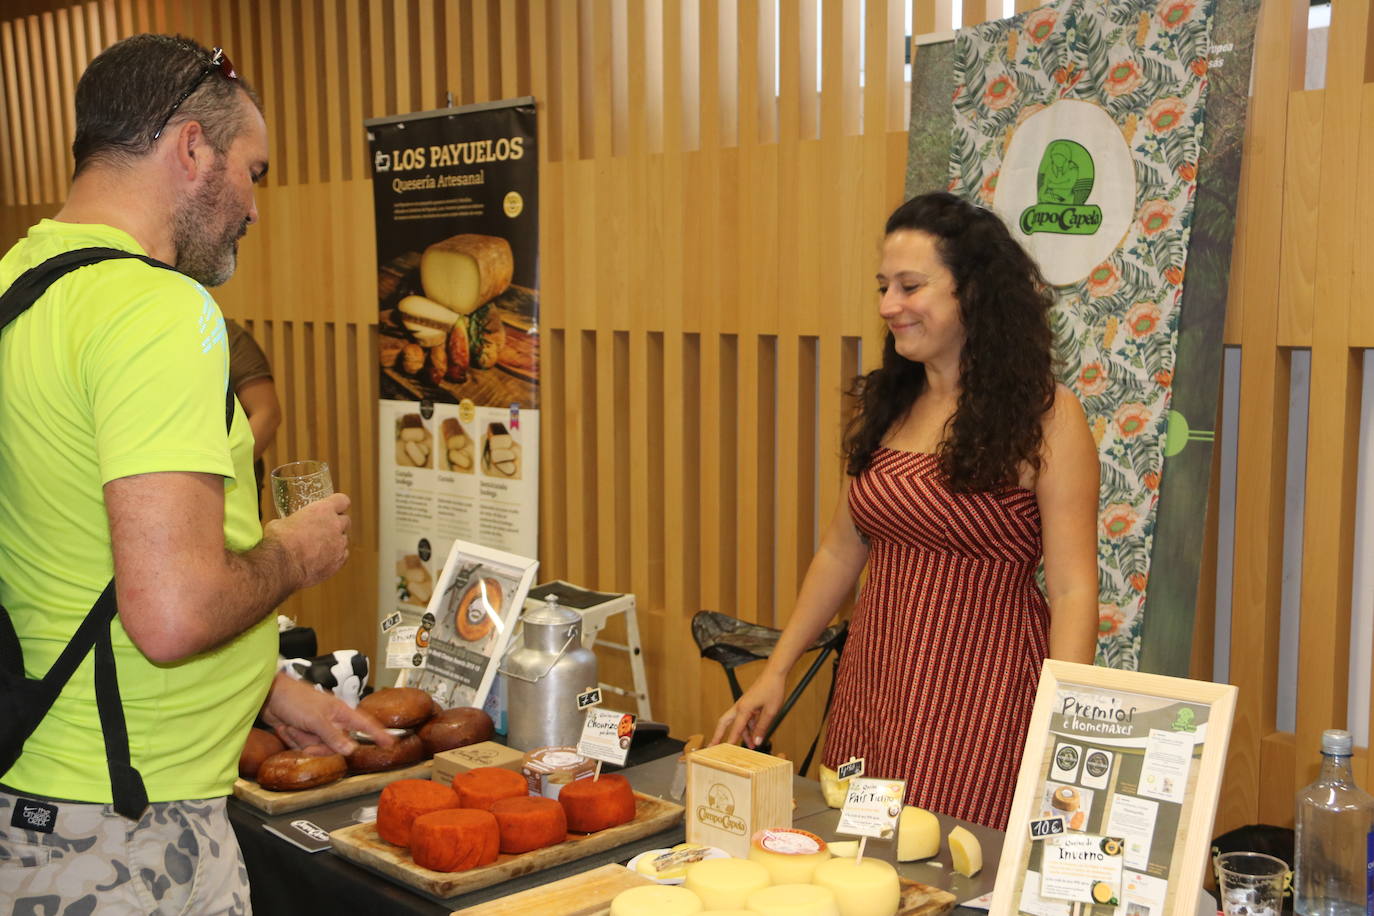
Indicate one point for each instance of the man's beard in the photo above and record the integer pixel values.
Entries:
(206, 247)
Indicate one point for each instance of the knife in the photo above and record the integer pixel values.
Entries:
(680, 772)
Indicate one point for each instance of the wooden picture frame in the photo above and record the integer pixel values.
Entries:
(1103, 751)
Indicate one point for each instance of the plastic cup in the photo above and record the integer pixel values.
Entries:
(1251, 883)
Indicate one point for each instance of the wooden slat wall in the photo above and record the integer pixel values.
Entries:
(708, 246)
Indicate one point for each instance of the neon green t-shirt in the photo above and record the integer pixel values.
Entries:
(119, 370)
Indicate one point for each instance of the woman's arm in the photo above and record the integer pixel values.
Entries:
(1066, 491)
(829, 581)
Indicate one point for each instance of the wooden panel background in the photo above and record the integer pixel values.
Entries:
(708, 249)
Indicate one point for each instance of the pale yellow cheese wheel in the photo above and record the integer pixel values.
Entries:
(790, 855)
(656, 900)
(862, 888)
(918, 835)
(725, 883)
(794, 900)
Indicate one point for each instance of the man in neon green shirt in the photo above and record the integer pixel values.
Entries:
(115, 461)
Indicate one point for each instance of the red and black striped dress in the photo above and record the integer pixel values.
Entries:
(939, 673)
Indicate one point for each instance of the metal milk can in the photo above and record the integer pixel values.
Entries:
(544, 676)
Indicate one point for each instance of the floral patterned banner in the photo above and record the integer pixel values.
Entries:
(1080, 123)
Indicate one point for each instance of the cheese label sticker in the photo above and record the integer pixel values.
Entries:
(853, 769)
(606, 735)
(589, 698)
(1082, 868)
(871, 808)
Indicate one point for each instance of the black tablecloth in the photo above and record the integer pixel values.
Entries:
(287, 880)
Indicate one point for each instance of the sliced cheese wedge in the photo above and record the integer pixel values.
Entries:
(966, 851)
(426, 320)
(833, 787)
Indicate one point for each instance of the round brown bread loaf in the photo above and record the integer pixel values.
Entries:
(260, 745)
(291, 770)
(399, 707)
(369, 758)
(456, 727)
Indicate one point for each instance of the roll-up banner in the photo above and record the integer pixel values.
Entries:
(457, 211)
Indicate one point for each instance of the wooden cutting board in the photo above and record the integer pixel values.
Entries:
(587, 894)
(591, 893)
(360, 843)
(269, 802)
(923, 900)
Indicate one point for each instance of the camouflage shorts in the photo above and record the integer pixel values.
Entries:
(181, 857)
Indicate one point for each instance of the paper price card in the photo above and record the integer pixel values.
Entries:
(1082, 868)
(606, 735)
(871, 808)
(402, 648)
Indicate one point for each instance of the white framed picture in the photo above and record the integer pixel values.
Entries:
(468, 622)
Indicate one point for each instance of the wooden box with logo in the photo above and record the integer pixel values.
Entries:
(733, 792)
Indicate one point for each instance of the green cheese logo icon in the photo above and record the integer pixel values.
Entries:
(1064, 181)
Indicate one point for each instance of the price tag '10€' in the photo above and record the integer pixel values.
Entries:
(606, 735)
(872, 807)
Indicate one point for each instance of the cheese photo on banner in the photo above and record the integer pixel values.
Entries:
(1080, 124)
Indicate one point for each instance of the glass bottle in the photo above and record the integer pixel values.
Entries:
(1334, 868)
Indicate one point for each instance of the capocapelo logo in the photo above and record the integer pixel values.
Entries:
(1063, 183)
(719, 810)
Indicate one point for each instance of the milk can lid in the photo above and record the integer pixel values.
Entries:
(551, 613)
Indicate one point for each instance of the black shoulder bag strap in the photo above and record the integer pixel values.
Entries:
(25, 701)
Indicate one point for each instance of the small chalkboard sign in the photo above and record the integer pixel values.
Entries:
(852, 769)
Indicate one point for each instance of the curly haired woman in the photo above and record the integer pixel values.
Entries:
(967, 465)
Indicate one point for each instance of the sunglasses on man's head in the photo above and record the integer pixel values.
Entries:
(218, 61)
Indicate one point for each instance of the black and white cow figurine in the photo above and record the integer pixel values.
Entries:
(343, 673)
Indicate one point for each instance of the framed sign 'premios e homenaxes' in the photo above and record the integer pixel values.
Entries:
(1117, 791)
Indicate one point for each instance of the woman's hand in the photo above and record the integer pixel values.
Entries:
(755, 710)
(828, 584)
(318, 722)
